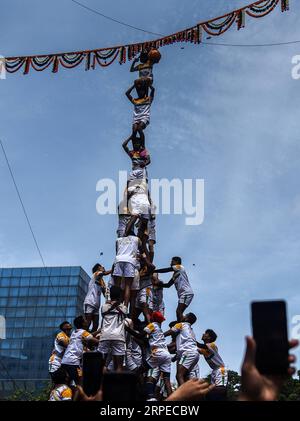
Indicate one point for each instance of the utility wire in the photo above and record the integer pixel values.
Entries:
(27, 217)
(22, 204)
(274, 44)
(114, 20)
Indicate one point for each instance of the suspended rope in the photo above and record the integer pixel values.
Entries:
(106, 56)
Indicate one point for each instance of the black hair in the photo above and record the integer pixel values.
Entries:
(212, 334)
(144, 56)
(96, 267)
(137, 142)
(172, 324)
(59, 376)
(61, 326)
(177, 259)
(192, 318)
(78, 322)
(115, 293)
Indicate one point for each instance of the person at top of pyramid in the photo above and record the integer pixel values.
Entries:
(147, 59)
(145, 67)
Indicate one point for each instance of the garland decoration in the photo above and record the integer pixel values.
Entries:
(264, 8)
(106, 56)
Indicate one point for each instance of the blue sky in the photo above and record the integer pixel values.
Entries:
(224, 114)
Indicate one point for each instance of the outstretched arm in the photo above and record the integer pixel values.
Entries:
(152, 92)
(125, 145)
(164, 270)
(148, 161)
(167, 284)
(168, 333)
(133, 67)
(128, 93)
(135, 334)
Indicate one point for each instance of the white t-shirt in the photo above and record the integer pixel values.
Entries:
(93, 296)
(58, 351)
(61, 393)
(186, 339)
(127, 249)
(156, 336)
(112, 327)
(181, 281)
(212, 356)
(74, 351)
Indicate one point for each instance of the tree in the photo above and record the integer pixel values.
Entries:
(31, 395)
(290, 390)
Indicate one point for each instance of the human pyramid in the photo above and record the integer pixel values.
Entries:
(125, 342)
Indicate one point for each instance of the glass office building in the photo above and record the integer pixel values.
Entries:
(33, 303)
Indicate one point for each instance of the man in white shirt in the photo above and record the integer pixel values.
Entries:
(160, 358)
(61, 342)
(142, 105)
(126, 261)
(182, 285)
(158, 295)
(112, 338)
(72, 358)
(92, 300)
(186, 347)
(219, 375)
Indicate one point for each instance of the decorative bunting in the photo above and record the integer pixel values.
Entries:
(241, 19)
(285, 5)
(262, 8)
(106, 56)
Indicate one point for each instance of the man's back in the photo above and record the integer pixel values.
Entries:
(113, 316)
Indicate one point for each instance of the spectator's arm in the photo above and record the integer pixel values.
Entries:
(192, 390)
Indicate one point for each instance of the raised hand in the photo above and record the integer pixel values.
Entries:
(255, 386)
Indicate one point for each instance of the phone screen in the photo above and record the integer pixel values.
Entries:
(92, 370)
(120, 387)
(269, 324)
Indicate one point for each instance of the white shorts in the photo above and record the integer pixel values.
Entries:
(114, 347)
(132, 363)
(138, 174)
(144, 297)
(186, 299)
(89, 309)
(189, 359)
(219, 377)
(154, 373)
(139, 204)
(125, 269)
(135, 286)
(137, 119)
(160, 359)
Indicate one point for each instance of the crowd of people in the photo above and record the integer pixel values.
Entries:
(129, 329)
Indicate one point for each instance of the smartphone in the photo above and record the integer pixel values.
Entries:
(269, 325)
(120, 387)
(92, 372)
